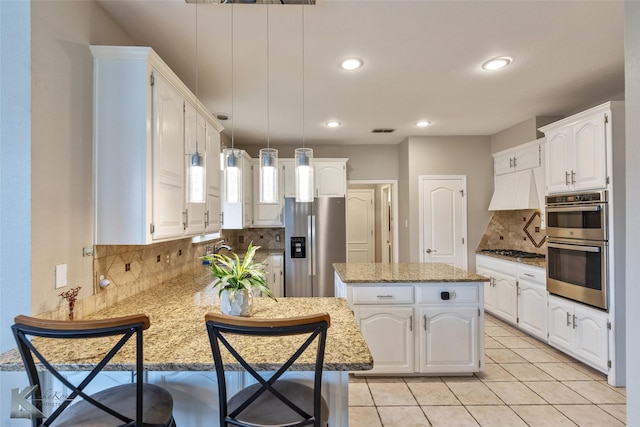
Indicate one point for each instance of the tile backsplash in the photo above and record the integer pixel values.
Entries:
(519, 229)
(131, 269)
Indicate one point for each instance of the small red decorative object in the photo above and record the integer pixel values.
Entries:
(71, 296)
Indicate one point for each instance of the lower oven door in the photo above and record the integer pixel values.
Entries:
(577, 269)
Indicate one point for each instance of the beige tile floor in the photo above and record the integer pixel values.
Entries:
(525, 383)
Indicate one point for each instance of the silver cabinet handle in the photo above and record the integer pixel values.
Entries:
(568, 319)
(573, 177)
(411, 323)
(511, 162)
(515, 162)
(529, 275)
(384, 296)
(424, 322)
(574, 322)
(566, 178)
(186, 218)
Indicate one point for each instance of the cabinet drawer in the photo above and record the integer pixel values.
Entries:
(383, 294)
(457, 294)
(533, 274)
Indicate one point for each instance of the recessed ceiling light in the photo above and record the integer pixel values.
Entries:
(351, 64)
(332, 124)
(496, 63)
(423, 123)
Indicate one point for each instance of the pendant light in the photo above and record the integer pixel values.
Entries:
(268, 156)
(304, 156)
(196, 173)
(232, 157)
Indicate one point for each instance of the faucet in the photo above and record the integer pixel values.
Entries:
(219, 246)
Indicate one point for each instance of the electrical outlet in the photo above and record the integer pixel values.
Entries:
(87, 251)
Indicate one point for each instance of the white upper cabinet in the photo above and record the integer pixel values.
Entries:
(142, 134)
(526, 156)
(577, 151)
(267, 214)
(239, 214)
(330, 177)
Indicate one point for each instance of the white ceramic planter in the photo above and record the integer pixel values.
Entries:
(240, 305)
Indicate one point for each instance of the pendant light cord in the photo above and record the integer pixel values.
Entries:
(197, 99)
(268, 118)
(233, 117)
(302, 75)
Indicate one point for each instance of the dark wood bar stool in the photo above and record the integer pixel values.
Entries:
(134, 404)
(271, 401)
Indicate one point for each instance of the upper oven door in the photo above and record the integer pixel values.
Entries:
(579, 221)
(578, 270)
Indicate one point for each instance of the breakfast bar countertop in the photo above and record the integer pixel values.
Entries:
(177, 339)
(354, 273)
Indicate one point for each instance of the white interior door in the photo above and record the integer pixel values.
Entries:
(360, 225)
(386, 224)
(443, 222)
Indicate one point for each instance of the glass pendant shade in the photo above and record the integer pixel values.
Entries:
(304, 174)
(268, 175)
(232, 175)
(197, 183)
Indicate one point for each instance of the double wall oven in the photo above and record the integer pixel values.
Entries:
(577, 247)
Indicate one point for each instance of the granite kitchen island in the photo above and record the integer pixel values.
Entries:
(417, 318)
(178, 356)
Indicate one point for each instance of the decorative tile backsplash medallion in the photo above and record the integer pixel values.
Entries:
(131, 269)
(519, 229)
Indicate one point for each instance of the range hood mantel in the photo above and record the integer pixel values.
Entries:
(514, 191)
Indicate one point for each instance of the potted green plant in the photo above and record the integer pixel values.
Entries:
(238, 280)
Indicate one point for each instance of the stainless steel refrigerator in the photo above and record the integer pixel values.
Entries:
(315, 238)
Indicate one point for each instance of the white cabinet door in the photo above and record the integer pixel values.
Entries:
(558, 160)
(560, 323)
(489, 290)
(214, 175)
(266, 214)
(168, 160)
(274, 274)
(532, 308)
(506, 297)
(527, 157)
(590, 154)
(195, 137)
(503, 164)
(330, 178)
(448, 339)
(592, 338)
(388, 332)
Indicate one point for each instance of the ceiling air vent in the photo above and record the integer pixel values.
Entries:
(383, 130)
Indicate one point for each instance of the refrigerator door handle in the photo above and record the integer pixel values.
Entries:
(311, 232)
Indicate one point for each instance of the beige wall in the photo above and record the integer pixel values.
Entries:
(61, 125)
(447, 155)
(520, 133)
(632, 139)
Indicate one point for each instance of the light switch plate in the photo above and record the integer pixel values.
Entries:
(61, 275)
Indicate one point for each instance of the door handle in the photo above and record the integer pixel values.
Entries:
(430, 250)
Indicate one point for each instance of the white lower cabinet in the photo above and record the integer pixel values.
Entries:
(501, 292)
(389, 335)
(449, 339)
(420, 328)
(274, 273)
(580, 331)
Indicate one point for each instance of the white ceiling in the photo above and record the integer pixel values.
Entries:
(421, 61)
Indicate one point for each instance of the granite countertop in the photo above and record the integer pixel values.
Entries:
(535, 262)
(177, 339)
(404, 273)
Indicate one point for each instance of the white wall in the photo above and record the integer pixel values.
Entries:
(61, 127)
(15, 166)
(447, 155)
(632, 139)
